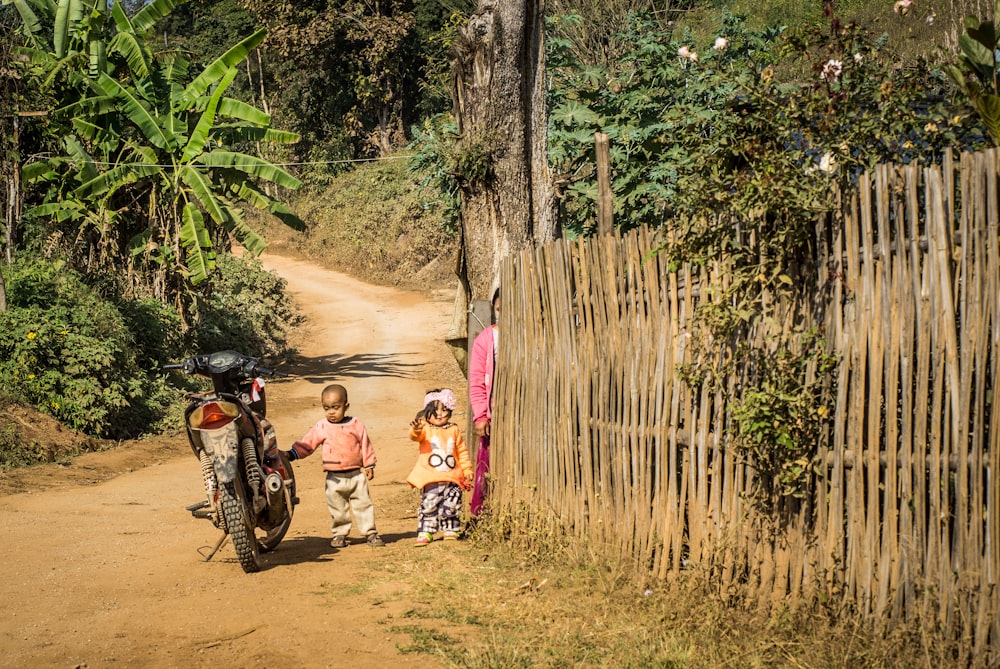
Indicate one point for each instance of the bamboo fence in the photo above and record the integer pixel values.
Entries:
(595, 432)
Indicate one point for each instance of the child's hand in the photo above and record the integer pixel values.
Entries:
(369, 473)
(417, 423)
(466, 484)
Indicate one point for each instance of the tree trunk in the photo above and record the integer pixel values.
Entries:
(499, 90)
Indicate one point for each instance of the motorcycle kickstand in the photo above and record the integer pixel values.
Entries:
(215, 549)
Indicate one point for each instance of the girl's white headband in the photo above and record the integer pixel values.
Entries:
(445, 396)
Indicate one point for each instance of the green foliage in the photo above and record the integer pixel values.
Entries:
(65, 351)
(434, 144)
(779, 420)
(96, 365)
(448, 165)
(149, 176)
(246, 310)
(700, 131)
(436, 28)
(978, 72)
(159, 332)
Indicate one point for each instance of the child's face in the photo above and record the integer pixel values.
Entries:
(440, 416)
(335, 406)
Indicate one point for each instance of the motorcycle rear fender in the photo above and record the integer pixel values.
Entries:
(222, 445)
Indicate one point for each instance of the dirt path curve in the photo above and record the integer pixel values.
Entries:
(107, 574)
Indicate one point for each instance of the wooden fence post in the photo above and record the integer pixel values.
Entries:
(605, 198)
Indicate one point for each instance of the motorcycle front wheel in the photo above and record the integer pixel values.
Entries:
(274, 536)
(234, 510)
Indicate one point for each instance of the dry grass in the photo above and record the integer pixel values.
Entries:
(534, 598)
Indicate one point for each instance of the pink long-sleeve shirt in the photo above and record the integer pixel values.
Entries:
(481, 363)
(345, 445)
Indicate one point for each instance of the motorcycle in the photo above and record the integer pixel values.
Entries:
(249, 483)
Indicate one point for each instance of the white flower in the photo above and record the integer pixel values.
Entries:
(858, 58)
(693, 57)
(902, 7)
(930, 17)
(683, 52)
(832, 70)
(720, 44)
(827, 163)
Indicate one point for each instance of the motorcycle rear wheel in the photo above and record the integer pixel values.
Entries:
(234, 510)
(270, 541)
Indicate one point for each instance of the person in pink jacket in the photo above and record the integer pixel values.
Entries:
(349, 463)
(481, 368)
(443, 468)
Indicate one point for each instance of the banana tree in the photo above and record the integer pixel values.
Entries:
(152, 176)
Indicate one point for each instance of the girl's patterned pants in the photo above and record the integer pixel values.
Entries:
(440, 504)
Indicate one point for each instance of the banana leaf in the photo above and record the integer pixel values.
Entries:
(239, 134)
(60, 29)
(88, 170)
(104, 137)
(236, 109)
(151, 13)
(40, 171)
(139, 114)
(200, 260)
(219, 67)
(111, 180)
(29, 20)
(98, 57)
(261, 201)
(129, 46)
(62, 210)
(250, 165)
(243, 233)
(199, 136)
(201, 188)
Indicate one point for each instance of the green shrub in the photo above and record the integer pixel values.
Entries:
(159, 334)
(246, 310)
(64, 350)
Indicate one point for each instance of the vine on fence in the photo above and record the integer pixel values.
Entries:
(779, 419)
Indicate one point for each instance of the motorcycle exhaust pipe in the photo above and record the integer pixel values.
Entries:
(275, 487)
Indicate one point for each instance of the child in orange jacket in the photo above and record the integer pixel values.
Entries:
(443, 467)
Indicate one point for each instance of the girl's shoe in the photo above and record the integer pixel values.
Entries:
(450, 536)
(423, 538)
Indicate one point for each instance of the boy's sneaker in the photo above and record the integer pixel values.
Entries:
(423, 538)
(338, 542)
(450, 536)
(375, 540)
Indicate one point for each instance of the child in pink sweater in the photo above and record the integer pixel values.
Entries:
(349, 463)
(443, 467)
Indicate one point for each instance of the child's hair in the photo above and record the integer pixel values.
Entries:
(334, 388)
(443, 395)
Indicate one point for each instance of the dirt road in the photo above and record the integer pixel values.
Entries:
(106, 573)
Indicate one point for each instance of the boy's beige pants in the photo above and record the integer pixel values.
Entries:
(347, 494)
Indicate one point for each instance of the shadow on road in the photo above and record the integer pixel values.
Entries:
(297, 550)
(327, 368)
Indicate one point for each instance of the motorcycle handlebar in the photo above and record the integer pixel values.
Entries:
(250, 368)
